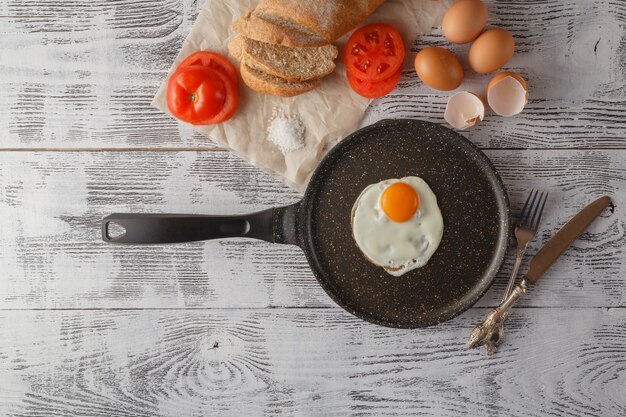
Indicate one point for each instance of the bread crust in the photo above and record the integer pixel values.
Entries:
(330, 19)
(254, 27)
(264, 85)
(235, 47)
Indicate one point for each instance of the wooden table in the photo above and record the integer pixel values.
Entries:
(240, 327)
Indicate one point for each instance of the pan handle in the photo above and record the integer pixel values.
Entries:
(272, 225)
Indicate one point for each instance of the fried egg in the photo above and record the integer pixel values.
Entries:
(397, 224)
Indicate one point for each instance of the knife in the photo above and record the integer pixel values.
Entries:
(562, 240)
(487, 333)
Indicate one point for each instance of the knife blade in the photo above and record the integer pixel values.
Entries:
(562, 240)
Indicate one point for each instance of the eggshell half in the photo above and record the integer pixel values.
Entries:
(507, 94)
(463, 110)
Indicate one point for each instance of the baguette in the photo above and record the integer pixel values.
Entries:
(329, 19)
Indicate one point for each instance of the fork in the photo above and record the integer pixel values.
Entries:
(525, 231)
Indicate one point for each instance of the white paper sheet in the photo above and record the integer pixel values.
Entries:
(329, 113)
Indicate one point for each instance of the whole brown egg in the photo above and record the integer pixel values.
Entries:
(438, 68)
(464, 21)
(491, 50)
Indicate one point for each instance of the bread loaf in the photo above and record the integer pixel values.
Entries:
(329, 19)
(253, 27)
(285, 46)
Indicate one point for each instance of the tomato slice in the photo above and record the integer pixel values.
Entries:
(230, 105)
(374, 52)
(374, 89)
(212, 60)
(196, 94)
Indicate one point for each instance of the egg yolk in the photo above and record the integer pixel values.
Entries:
(399, 201)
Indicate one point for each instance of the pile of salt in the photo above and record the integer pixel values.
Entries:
(286, 132)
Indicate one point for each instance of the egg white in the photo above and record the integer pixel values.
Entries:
(398, 247)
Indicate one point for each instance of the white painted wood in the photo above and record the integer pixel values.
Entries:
(307, 362)
(83, 75)
(241, 327)
(51, 204)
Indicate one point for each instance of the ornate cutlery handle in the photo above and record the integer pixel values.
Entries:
(482, 334)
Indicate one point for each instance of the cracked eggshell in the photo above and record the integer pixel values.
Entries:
(463, 110)
(507, 94)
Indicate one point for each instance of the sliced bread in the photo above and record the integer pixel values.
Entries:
(264, 83)
(236, 49)
(291, 34)
(292, 64)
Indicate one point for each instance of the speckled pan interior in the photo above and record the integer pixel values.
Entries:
(472, 200)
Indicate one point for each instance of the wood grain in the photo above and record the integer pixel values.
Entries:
(239, 327)
(82, 75)
(307, 363)
(51, 204)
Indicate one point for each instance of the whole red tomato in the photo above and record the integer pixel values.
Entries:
(196, 94)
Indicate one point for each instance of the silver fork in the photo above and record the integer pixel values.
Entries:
(493, 336)
(525, 231)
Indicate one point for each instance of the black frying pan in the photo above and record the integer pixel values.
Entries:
(469, 192)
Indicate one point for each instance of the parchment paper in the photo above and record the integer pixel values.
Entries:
(328, 113)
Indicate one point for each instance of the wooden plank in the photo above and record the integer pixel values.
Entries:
(145, 20)
(546, 123)
(307, 362)
(51, 204)
(82, 75)
(186, 329)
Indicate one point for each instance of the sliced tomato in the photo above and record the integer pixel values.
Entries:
(230, 105)
(212, 60)
(374, 52)
(374, 89)
(196, 93)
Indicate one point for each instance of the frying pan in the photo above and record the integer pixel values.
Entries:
(469, 192)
